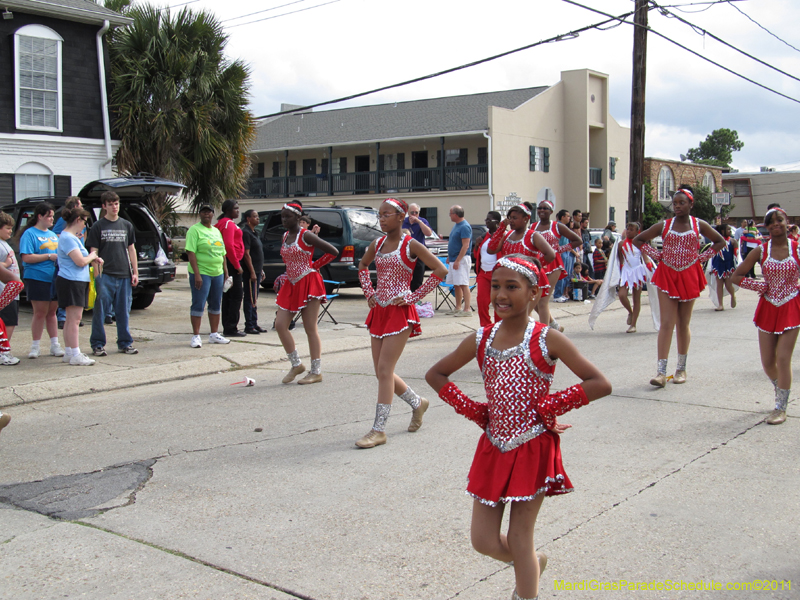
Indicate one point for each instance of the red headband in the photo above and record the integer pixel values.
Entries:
(523, 267)
(776, 209)
(400, 205)
(686, 193)
(550, 204)
(295, 208)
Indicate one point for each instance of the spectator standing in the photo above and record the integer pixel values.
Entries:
(72, 202)
(418, 228)
(567, 257)
(609, 231)
(9, 315)
(577, 217)
(459, 261)
(72, 282)
(599, 259)
(484, 263)
(253, 249)
(37, 248)
(208, 269)
(586, 239)
(750, 240)
(234, 253)
(112, 238)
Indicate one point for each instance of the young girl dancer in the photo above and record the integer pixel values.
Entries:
(552, 232)
(518, 459)
(521, 240)
(633, 275)
(679, 277)
(723, 265)
(393, 317)
(777, 315)
(302, 292)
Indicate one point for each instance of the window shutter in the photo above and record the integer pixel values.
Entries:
(62, 185)
(324, 166)
(483, 156)
(612, 168)
(401, 161)
(260, 170)
(533, 158)
(463, 157)
(546, 152)
(438, 158)
(343, 164)
(6, 188)
(292, 168)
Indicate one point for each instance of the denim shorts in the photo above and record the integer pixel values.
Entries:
(210, 291)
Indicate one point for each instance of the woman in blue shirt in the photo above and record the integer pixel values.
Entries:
(72, 282)
(37, 248)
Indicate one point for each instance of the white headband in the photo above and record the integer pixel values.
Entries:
(530, 273)
(396, 204)
(293, 209)
(523, 208)
(550, 204)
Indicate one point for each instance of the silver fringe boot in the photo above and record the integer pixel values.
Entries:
(381, 416)
(316, 366)
(411, 397)
(778, 415)
(294, 358)
(681, 362)
(662, 366)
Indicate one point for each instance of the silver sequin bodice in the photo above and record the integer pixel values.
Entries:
(394, 274)
(781, 276)
(680, 249)
(297, 257)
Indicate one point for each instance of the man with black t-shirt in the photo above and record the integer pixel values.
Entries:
(113, 238)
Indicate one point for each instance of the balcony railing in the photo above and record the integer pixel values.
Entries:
(595, 177)
(465, 177)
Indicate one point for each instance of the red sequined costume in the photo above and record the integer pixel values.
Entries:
(394, 278)
(553, 238)
(304, 283)
(680, 274)
(517, 458)
(778, 309)
(524, 246)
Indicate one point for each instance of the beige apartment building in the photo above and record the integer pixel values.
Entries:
(751, 193)
(481, 151)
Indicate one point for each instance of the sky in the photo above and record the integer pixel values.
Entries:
(335, 48)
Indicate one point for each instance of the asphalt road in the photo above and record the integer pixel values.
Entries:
(154, 476)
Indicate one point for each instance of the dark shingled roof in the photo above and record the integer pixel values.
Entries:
(418, 118)
(84, 11)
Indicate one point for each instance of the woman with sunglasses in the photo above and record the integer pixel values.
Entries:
(72, 282)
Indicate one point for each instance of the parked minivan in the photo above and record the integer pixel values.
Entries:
(150, 238)
(349, 228)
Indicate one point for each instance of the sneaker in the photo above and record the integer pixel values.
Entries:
(196, 342)
(99, 352)
(56, 350)
(66, 358)
(81, 360)
(372, 439)
(128, 350)
(216, 338)
(34, 353)
(559, 300)
(107, 320)
(6, 359)
(4, 420)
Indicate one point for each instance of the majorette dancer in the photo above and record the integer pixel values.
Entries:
(720, 269)
(679, 277)
(393, 316)
(525, 241)
(777, 315)
(518, 459)
(303, 291)
(552, 232)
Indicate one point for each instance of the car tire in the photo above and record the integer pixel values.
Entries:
(143, 300)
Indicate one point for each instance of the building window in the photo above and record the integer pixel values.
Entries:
(708, 181)
(37, 78)
(666, 183)
(32, 180)
(483, 155)
(539, 159)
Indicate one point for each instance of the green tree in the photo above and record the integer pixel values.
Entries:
(180, 105)
(653, 211)
(703, 207)
(717, 149)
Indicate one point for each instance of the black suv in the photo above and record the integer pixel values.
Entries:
(132, 192)
(349, 228)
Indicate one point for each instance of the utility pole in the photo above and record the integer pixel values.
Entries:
(636, 189)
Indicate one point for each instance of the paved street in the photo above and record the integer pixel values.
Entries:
(153, 477)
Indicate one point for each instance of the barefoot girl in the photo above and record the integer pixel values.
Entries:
(778, 312)
(393, 317)
(552, 232)
(521, 240)
(722, 267)
(518, 459)
(302, 292)
(679, 277)
(633, 275)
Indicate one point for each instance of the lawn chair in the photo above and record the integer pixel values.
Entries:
(326, 307)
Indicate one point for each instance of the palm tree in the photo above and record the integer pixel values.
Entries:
(179, 105)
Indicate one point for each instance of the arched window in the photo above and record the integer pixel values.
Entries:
(666, 183)
(31, 180)
(708, 181)
(37, 78)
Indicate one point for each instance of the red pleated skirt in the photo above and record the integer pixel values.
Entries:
(777, 319)
(544, 283)
(555, 265)
(683, 285)
(295, 296)
(519, 474)
(391, 320)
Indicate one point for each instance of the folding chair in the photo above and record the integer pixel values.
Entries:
(444, 292)
(335, 285)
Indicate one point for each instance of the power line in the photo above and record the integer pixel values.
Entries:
(258, 12)
(710, 5)
(697, 54)
(697, 28)
(284, 14)
(558, 38)
(764, 28)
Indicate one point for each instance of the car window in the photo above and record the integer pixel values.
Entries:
(273, 229)
(330, 223)
(365, 225)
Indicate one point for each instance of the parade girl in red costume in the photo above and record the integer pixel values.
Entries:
(679, 277)
(552, 232)
(303, 291)
(525, 241)
(777, 315)
(518, 459)
(393, 316)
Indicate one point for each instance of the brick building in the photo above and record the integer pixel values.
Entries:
(667, 176)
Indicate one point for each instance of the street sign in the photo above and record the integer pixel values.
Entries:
(721, 198)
